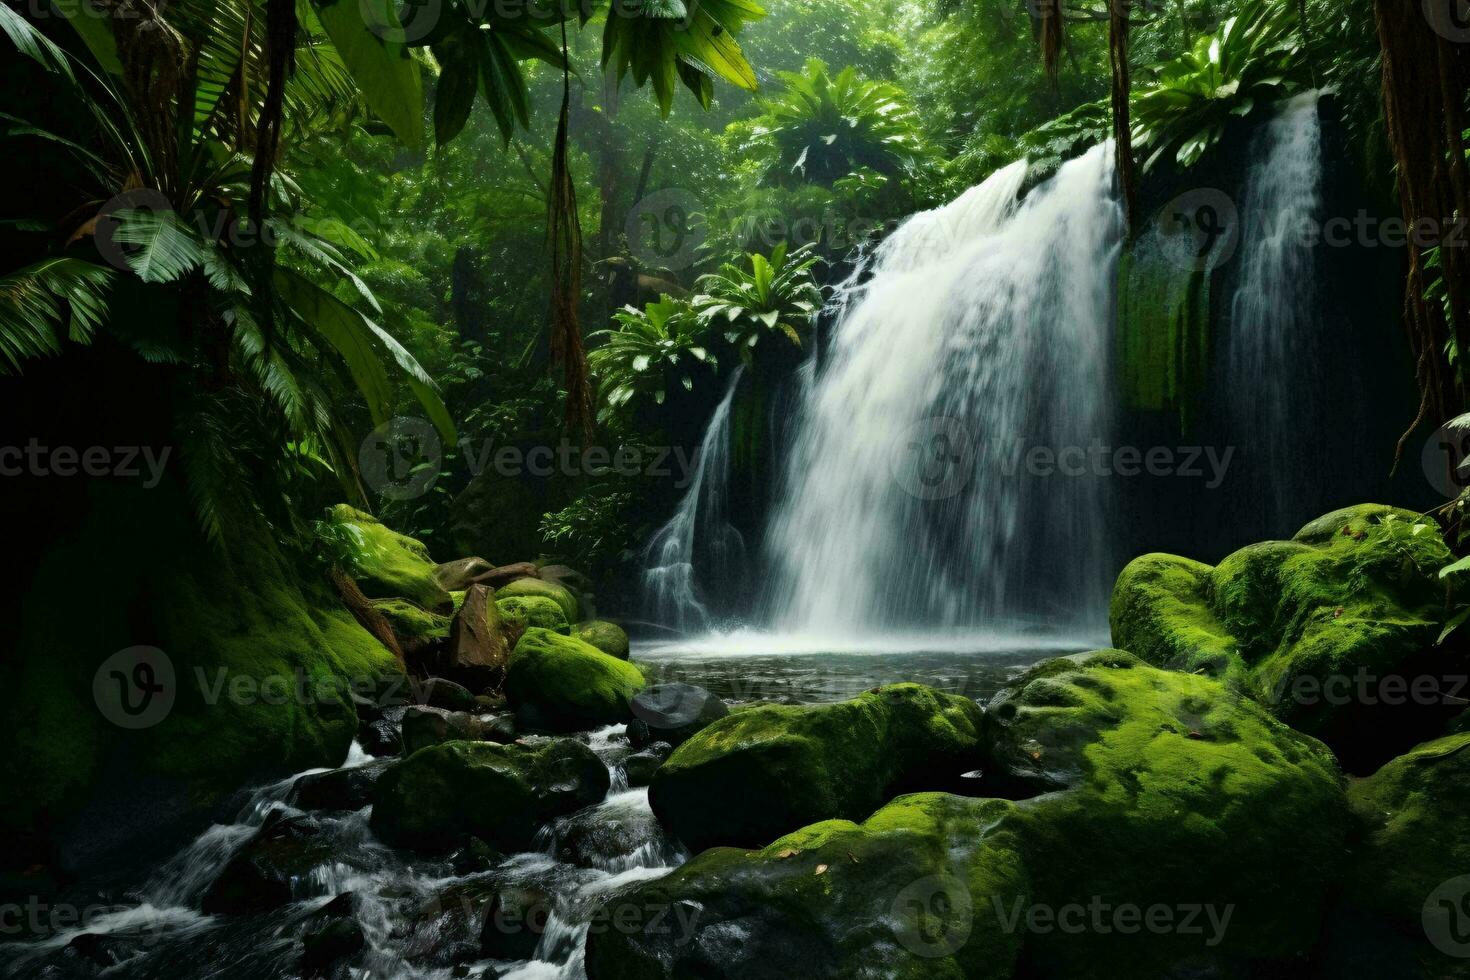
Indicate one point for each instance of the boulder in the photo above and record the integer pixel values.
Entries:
(604, 836)
(1166, 804)
(476, 652)
(765, 771)
(389, 565)
(607, 637)
(475, 920)
(460, 574)
(520, 613)
(560, 684)
(262, 874)
(440, 692)
(324, 946)
(638, 768)
(424, 726)
(500, 575)
(338, 789)
(380, 738)
(527, 587)
(1405, 901)
(672, 713)
(419, 633)
(1333, 629)
(499, 793)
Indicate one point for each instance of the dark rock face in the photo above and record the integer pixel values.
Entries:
(326, 946)
(339, 789)
(639, 767)
(262, 875)
(440, 692)
(476, 920)
(380, 738)
(672, 713)
(501, 794)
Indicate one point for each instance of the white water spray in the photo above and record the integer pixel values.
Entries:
(919, 495)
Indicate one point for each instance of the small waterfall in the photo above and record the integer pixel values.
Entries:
(1274, 341)
(698, 539)
(982, 336)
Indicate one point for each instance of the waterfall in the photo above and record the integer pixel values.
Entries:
(1274, 342)
(699, 538)
(914, 500)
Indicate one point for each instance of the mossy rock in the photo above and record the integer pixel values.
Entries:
(1322, 627)
(412, 623)
(520, 613)
(765, 771)
(1159, 790)
(904, 894)
(1406, 894)
(1165, 788)
(392, 565)
(526, 587)
(607, 637)
(501, 794)
(263, 659)
(558, 683)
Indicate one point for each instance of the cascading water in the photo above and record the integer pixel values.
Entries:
(1274, 338)
(698, 536)
(919, 495)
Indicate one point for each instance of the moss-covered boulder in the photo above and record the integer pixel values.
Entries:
(1332, 629)
(1172, 828)
(520, 613)
(254, 669)
(499, 793)
(390, 565)
(610, 638)
(1404, 909)
(526, 587)
(558, 683)
(416, 629)
(766, 771)
(905, 894)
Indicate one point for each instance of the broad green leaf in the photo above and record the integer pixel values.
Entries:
(370, 39)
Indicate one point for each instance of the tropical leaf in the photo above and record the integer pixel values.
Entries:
(368, 36)
(44, 303)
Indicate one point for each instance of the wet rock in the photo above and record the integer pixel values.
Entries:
(424, 726)
(380, 738)
(324, 947)
(473, 857)
(440, 692)
(499, 793)
(339, 789)
(604, 836)
(672, 713)
(638, 768)
(103, 950)
(477, 648)
(560, 684)
(261, 875)
(475, 920)
(762, 772)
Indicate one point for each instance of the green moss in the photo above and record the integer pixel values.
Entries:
(1354, 593)
(768, 770)
(457, 599)
(412, 622)
(262, 655)
(499, 793)
(521, 612)
(526, 587)
(907, 894)
(605, 636)
(1175, 790)
(392, 565)
(558, 683)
